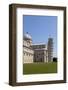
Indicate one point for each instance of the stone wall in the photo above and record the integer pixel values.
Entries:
(28, 55)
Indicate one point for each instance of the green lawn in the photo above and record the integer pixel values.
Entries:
(39, 68)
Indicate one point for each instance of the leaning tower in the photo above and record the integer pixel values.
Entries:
(50, 49)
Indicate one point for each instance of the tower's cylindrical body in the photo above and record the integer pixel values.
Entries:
(50, 49)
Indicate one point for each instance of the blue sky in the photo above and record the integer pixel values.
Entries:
(41, 28)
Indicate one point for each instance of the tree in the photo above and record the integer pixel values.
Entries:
(55, 59)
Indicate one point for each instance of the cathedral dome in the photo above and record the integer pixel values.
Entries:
(27, 36)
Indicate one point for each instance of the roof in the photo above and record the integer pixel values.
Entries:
(39, 44)
(27, 36)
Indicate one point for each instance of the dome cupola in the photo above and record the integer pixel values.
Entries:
(27, 36)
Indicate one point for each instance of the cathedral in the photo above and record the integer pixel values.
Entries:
(37, 52)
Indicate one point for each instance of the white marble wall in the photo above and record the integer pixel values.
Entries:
(28, 55)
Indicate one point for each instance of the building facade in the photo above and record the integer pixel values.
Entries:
(40, 53)
(37, 52)
(27, 50)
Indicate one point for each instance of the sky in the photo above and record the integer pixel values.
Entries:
(41, 28)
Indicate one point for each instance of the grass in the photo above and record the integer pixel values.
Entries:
(40, 68)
